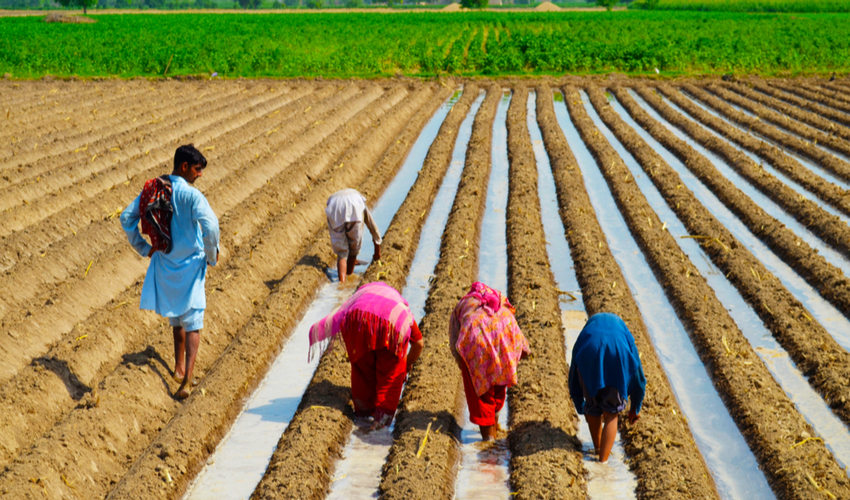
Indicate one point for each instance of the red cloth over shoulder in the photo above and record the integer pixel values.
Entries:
(156, 212)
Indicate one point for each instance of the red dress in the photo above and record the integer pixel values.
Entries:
(377, 372)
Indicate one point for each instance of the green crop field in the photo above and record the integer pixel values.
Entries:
(372, 45)
(754, 5)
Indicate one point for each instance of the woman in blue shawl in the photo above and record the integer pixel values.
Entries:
(605, 366)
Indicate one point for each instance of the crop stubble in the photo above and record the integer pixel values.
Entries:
(664, 456)
(433, 395)
(766, 416)
(546, 458)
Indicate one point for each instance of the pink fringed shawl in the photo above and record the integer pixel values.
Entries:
(377, 299)
(486, 336)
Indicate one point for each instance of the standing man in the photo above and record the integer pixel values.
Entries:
(184, 232)
(347, 212)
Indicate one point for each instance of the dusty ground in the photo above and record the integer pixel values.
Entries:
(85, 378)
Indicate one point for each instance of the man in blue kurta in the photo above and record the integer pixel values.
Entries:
(174, 284)
(604, 371)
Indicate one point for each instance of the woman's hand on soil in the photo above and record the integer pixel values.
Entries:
(633, 417)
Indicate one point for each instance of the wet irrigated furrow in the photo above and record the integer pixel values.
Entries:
(827, 227)
(830, 193)
(243, 365)
(121, 165)
(546, 458)
(85, 363)
(831, 99)
(813, 107)
(797, 144)
(839, 89)
(104, 119)
(237, 290)
(433, 394)
(323, 420)
(80, 147)
(809, 114)
(753, 397)
(122, 267)
(811, 346)
(839, 92)
(664, 455)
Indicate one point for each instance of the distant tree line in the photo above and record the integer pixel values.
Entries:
(249, 4)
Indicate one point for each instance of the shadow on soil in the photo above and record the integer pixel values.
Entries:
(76, 389)
(153, 360)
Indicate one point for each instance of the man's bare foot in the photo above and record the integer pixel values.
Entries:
(179, 379)
(183, 392)
(359, 262)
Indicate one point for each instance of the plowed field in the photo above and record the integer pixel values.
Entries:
(734, 195)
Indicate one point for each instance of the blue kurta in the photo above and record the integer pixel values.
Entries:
(175, 281)
(606, 355)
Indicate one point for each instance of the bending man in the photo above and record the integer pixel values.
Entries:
(184, 231)
(347, 212)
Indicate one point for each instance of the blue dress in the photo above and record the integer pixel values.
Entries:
(606, 355)
(174, 283)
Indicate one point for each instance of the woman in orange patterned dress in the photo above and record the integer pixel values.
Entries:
(487, 344)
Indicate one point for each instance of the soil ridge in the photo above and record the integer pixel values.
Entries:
(663, 453)
(546, 455)
(433, 396)
(748, 390)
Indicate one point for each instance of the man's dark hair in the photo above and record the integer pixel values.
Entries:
(189, 154)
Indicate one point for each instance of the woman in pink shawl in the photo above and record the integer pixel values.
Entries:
(487, 344)
(377, 328)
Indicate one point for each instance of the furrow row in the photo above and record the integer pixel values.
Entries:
(766, 416)
(433, 395)
(88, 361)
(827, 227)
(546, 458)
(120, 396)
(270, 325)
(662, 421)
